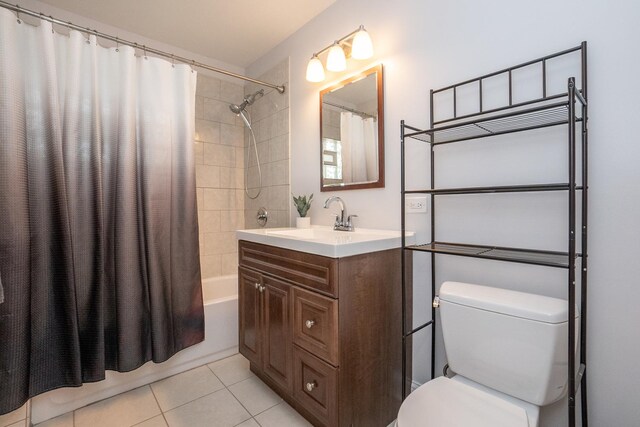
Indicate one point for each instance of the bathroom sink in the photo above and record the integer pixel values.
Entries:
(321, 240)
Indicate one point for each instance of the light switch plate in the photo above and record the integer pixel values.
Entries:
(416, 204)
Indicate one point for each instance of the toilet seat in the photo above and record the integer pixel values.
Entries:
(445, 402)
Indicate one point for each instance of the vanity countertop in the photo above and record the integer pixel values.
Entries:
(323, 240)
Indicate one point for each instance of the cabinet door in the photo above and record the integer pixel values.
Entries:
(249, 312)
(277, 332)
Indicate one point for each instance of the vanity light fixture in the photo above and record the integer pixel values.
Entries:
(315, 70)
(360, 46)
(336, 61)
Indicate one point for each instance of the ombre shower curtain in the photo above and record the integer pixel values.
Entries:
(359, 138)
(98, 220)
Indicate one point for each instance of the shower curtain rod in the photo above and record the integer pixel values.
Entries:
(352, 110)
(20, 10)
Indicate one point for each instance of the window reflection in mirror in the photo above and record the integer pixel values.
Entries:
(352, 133)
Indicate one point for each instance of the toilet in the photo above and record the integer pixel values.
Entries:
(507, 351)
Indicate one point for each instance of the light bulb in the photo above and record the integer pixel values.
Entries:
(362, 47)
(336, 61)
(315, 70)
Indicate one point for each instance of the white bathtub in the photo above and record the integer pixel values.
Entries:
(221, 340)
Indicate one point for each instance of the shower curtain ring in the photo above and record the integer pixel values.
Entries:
(18, 14)
(88, 35)
(193, 64)
(173, 62)
(52, 31)
(117, 45)
(144, 50)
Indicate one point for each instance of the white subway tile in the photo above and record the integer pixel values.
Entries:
(209, 221)
(218, 111)
(231, 135)
(208, 87)
(199, 107)
(198, 152)
(210, 265)
(219, 155)
(207, 131)
(207, 176)
(231, 92)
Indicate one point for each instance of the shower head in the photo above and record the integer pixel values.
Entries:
(248, 100)
(238, 108)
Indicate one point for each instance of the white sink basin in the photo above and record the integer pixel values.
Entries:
(325, 241)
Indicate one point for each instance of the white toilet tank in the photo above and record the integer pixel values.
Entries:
(510, 341)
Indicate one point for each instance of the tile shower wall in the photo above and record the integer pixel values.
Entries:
(219, 174)
(270, 122)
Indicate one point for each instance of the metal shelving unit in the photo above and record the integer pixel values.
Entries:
(547, 111)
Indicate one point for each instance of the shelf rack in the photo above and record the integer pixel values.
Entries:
(547, 111)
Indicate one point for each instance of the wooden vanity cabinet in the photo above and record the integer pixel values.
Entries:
(265, 325)
(324, 333)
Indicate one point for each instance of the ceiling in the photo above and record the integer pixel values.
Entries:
(237, 32)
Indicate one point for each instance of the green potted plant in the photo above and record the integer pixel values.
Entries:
(302, 205)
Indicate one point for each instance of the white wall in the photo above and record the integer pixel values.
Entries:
(427, 44)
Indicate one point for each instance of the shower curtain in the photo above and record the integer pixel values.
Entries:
(98, 220)
(359, 148)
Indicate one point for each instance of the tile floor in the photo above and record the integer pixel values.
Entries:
(221, 394)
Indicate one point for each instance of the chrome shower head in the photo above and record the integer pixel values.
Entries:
(237, 109)
(248, 100)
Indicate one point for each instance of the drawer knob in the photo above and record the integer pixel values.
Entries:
(261, 288)
(309, 323)
(257, 285)
(310, 386)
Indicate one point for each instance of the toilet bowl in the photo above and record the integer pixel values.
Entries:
(458, 402)
(508, 352)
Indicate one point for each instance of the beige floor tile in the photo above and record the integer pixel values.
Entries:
(281, 415)
(125, 409)
(249, 423)
(64, 420)
(255, 395)
(232, 369)
(14, 416)
(185, 387)
(21, 423)
(157, 421)
(219, 409)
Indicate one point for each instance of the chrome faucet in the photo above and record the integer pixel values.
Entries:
(340, 224)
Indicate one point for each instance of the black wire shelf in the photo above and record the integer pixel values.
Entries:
(495, 189)
(481, 126)
(514, 115)
(417, 329)
(519, 255)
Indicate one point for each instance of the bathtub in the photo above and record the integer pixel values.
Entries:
(220, 296)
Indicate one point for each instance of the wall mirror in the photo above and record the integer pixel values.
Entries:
(352, 133)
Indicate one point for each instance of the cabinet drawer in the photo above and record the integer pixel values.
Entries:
(315, 386)
(307, 270)
(315, 324)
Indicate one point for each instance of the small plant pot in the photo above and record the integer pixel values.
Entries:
(303, 222)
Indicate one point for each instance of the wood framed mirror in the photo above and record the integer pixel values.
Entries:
(352, 133)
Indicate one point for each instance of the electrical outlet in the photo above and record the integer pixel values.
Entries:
(416, 204)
